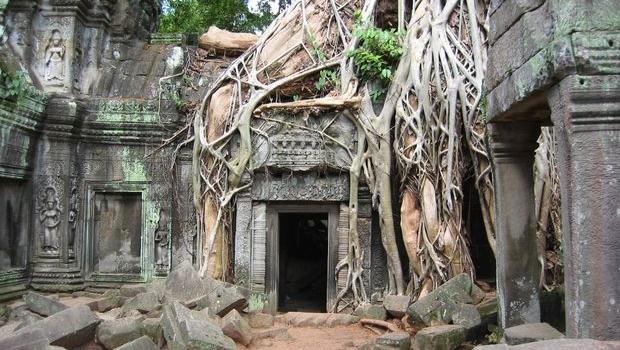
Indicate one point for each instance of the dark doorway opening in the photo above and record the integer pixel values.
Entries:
(303, 243)
(481, 252)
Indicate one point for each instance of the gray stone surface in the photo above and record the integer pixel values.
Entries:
(395, 340)
(43, 305)
(32, 339)
(68, 328)
(556, 344)
(143, 302)
(530, 332)
(151, 327)
(142, 343)
(371, 311)
(260, 320)
(223, 297)
(184, 283)
(396, 305)
(114, 333)
(446, 337)
(131, 290)
(184, 328)
(237, 328)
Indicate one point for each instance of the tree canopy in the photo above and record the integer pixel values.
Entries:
(188, 16)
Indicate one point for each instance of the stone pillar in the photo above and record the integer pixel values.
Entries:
(586, 113)
(512, 146)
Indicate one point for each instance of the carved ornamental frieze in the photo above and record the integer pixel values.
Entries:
(301, 187)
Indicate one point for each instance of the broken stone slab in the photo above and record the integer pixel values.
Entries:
(142, 343)
(530, 332)
(395, 340)
(184, 283)
(151, 327)
(396, 305)
(43, 305)
(32, 339)
(107, 303)
(555, 344)
(69, 328)
(27, 319)
(308, 319)
(260, 320)
(467, 315)
(237, 328)
(488, 311)
(223, 297)
(143, 302)
(446, 337)
(371, 311)
(441, 303)
(187, 329)
(131, 290)
(114, 333)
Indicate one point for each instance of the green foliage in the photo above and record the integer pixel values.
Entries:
(187, 16)
(327, 79)
(12, 85)
(378, 52)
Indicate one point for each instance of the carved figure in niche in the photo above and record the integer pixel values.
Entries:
(161, 241)
(49, 216)
(73, 214)
(55, 57)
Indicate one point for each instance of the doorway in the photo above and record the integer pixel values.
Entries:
(302, 282)
(302, 252)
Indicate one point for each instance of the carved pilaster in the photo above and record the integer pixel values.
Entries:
(586, 113)
(512, 147)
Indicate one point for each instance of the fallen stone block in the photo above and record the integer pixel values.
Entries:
(69, 328)
(467, 315)
(488, 311)
(371, 311)
(446, 337)
(309, 319)
(32, 339)
(441, 303)
(237, 328)
(131, 290)
(530, 332)
(396, 305)
(260, 320)
(184, 283)
(557, 344)
(187, 329)
(142, 343)
(43, 305)
(85, 294)
(223, 297)
(27, 319)
(114, 333)
(151, 327)
(395, 340)
(143, 302)
(107, 303)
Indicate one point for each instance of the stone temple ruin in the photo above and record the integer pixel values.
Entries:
(92, 198)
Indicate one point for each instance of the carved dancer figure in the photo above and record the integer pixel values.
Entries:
(49, 216)
(55, 57)
(161, 241)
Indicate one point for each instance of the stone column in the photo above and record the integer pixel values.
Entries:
(512, 146)
(586, 113)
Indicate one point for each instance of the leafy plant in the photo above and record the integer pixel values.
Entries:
(327, 78)
(12, 85)
(378, 52)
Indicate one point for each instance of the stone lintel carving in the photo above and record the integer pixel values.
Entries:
(300, 186)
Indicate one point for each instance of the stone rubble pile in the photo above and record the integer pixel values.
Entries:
(184, 311)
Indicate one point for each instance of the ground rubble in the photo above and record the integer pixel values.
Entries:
(185, 311)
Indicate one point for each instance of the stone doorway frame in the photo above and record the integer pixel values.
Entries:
(272, 270)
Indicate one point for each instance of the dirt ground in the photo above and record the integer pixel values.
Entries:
(323, 338)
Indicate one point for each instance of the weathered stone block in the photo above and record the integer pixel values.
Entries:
(530, 332)
(184, 283)
(143, 302)
(142, 343)
(507, 14)
(151, 327)
(187, 329)
(69, 328)
(114, 333)
(441, 303)
(396, 305)
(43, 305)
(32, 339)
(131, 290)
(260, 320)
(395, 340)
(237, 328)
(223, 297)
(371, 311)
(446, 337)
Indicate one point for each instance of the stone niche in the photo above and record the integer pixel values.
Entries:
(301, 170)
